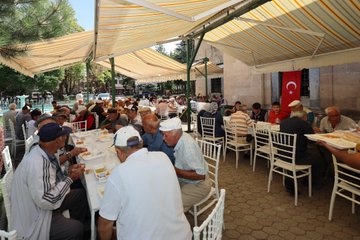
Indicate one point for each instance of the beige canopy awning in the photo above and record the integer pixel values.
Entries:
(124, 26)
(147, 65)
(52, 54)
(291, 35)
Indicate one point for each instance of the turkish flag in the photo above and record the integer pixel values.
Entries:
(291, 86)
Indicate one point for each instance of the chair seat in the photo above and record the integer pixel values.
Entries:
(213, 138)
(289, 166)
(238, 143)
(349, 188)
(264, 149)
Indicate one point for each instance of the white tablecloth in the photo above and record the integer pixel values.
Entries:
(98, 144)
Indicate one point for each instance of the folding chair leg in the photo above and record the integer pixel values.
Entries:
(353, 203)
(237, 157)
(295, 187)
(310, 184)
(254, 161)
(270, 179)
(332, 201)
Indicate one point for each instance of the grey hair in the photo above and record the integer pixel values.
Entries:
(12, 106)
(299, 114)
(332, 109)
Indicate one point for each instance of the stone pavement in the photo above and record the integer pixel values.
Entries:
(253, 213)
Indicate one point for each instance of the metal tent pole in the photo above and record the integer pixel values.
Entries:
(112, 62)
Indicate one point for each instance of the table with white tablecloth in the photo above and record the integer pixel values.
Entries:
(101, 154)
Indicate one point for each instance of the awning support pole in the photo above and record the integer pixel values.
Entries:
(87, 80)
(112, 62)
(206, 60)
(190, 57)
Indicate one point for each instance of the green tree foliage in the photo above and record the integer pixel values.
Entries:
(161, 49)
(72, 77)
(179, 54)
(25, 21)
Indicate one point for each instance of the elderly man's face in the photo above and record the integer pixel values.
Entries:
(170, 138)
(334, 117)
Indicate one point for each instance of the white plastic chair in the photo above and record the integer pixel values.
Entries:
(283, 160)
(211, 228)
(96, 119)
(8, 235)
(261, 135)
(208, 131)
(234, 142)
(211, 153)
(24, 129)
(80, 126)
(194, 124)
(15, 142)
(5, 188)
(346, 185)
(6, 158)
(28, 142)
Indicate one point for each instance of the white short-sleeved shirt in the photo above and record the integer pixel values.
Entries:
(143, 196)
(188, 156)
(344, 124)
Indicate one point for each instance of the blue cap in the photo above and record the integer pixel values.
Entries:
(52, 131)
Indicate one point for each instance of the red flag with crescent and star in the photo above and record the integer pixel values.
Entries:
(291, 86)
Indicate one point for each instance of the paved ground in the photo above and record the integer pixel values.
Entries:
(252, 213)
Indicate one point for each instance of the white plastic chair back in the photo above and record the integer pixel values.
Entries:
(346, 185)
(15, 142)
(80, 126)
(24, 129)
(194, 124)
(211, 228)
(211, 153)
(207, 127)
(261, 135)
(5, 188)
(283, 147)
(72, 117)
(28, 142)
(8, 235)
(235, 142)
(96, 120)
(7, 158)
(12, 129)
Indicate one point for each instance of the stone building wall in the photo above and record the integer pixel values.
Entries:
(340, 86)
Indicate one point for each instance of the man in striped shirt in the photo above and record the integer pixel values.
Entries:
(242, 121)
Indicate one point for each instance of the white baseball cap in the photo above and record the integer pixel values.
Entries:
(294, 103)
(123, 135)
(170, 124)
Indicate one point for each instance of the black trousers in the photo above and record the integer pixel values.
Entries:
(73, 227)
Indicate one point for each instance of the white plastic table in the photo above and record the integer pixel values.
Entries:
(102, 155)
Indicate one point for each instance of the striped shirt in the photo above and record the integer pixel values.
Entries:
(242, 121)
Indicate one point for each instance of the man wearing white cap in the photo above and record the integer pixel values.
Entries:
(296, 106)
(142, 194)
(190, 165)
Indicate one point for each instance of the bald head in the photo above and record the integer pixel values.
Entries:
(151, 123)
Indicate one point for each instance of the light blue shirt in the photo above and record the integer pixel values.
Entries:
(188, 156)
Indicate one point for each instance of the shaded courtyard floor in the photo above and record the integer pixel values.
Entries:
(253, 213)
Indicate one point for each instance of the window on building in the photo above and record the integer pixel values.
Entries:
(216, 85)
